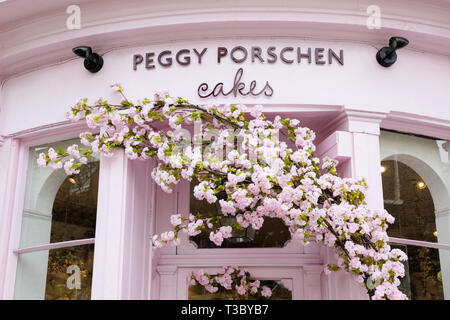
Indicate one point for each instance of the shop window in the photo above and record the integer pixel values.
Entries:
(415, 174)
(408, 199)
(279, 292)
(58, 231)
(273, 234)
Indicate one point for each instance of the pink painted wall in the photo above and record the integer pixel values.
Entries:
(362, 96)
(361, 84)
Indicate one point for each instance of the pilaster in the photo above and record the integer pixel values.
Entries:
(122, 265)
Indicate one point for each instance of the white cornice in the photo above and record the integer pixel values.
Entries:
(353, 120)
(42, 39)
(48, 129)
(394, 120)
(399, 121)
(417, 124)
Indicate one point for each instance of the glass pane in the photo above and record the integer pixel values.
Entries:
(75, 206)
(279, 292)
(408, 199)
(416, 181)
(273, 233)
(423, 276)
(57, 207)
(59, 274)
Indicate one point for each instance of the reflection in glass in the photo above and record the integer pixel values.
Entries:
(410, 203)
(273, 233)
(416, 190)
(408, 199)
(69, 273)
(57, 208)
(75, 206)
(279, 292)
(423, 277)
(59, 274)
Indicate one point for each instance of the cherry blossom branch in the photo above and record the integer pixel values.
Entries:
(284, 182)
(232, 279)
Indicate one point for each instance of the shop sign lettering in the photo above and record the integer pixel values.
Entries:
(238, 55)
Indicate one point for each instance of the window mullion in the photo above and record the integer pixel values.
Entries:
(420, 243)
(55, 245)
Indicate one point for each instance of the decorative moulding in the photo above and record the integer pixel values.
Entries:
(287, 283)
(352, 120)
(417, 124)
(250, 260)
(155, 260)
(49, 133)
(336, 146)
(137, 23)
(371, 122)
(167, 270)
(362, 121)
(188, 247)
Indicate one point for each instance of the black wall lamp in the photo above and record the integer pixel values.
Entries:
(386, 56)
(93, 62)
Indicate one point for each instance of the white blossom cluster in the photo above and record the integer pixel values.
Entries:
(231, 278)
(268, 169)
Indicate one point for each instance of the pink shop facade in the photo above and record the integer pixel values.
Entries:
(89, 236)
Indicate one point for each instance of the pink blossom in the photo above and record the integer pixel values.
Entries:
(175, 219)
(267, 176)
(266, 292)
(52, 154)
(41, 160)
(241, 290)
(216, 237)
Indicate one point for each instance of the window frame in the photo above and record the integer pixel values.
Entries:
(55, 245)
(23, 141)
(421, 128)
(291, 277)
(408, 131)
(419, 243)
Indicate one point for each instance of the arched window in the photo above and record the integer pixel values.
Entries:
(408, 199)
(58, 231)
(416, 178)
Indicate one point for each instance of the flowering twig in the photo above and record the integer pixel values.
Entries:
(272, 179)
(232, 279)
